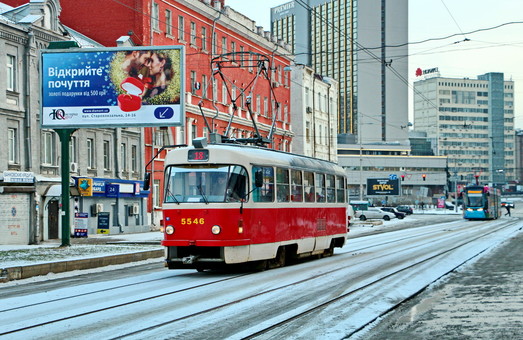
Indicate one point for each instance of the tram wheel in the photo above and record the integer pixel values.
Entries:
(279, 260)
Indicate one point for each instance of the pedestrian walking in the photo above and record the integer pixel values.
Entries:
(508, 210)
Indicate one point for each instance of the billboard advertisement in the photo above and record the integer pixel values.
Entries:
(112, 87)
(383, 186)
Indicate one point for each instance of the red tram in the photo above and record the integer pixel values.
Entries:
(229, 204)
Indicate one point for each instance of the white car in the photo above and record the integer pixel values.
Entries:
(374, 212)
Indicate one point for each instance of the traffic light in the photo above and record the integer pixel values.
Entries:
(402, 178)
(424, 176)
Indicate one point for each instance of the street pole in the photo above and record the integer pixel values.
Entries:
(65, 138)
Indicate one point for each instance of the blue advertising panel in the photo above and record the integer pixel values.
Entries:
(112, 190)
(113, 87)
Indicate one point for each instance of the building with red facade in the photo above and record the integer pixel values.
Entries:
(208, 29)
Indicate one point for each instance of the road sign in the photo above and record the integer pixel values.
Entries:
(103, 223)
(85, 186)
(112, 190)
(393, 177)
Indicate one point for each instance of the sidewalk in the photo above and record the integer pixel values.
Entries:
(25, 261)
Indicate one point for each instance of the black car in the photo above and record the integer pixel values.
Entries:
(395, 211)
(405, 209)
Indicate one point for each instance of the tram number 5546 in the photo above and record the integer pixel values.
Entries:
(189, 221)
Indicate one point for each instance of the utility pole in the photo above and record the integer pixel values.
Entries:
(65, 138)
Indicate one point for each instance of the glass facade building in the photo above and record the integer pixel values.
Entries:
(356, 43)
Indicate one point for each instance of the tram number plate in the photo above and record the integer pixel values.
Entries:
(198, 155)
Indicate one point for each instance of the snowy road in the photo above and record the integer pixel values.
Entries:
(328, 298)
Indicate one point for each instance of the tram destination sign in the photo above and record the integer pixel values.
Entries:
(383, 186)
(112, 87)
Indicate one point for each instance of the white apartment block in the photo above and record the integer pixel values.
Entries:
(471, 121)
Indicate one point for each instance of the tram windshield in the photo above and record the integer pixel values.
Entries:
(205, 183)
(474, 200)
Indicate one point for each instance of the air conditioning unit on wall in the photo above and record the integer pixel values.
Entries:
(134, 209)
(73, 167)
(96, 208)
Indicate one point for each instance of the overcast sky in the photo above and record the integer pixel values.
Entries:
(491, 50)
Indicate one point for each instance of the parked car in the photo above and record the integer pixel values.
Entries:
(405, 208)
(374, 212)
(510, 204)
(399, 214)
(449, 206)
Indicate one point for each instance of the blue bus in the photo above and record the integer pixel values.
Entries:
(481, 203)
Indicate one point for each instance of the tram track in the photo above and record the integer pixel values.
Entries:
(338, 299)
(280, 289)
(105, 290)
(322, 305)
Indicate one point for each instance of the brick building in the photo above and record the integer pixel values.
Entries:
(208, 29)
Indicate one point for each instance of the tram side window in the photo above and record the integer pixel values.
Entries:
(266, 192)
(340, 189)
(282, 185)
(308, 186)
(296, 186)
(331, 188)
(320, 188)
(237, 185)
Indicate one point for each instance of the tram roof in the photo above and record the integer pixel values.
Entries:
(247, 154)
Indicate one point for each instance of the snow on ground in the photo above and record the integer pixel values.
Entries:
(50, 251)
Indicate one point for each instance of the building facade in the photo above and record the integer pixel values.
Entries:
(471, 121)
(314, 113)
(217, 97)
(30, 172)
(350, 41)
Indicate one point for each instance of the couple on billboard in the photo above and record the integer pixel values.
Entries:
(147, 76)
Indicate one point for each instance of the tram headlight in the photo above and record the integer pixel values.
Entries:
(216, 229)
(480, 209)
(169, 230)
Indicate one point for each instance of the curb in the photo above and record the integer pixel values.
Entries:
(24, 272)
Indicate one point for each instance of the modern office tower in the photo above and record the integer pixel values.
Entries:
(362, 45)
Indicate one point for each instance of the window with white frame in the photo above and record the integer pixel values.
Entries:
(90, 153)
(224, 93)
(11, 72)
(204, 86)
(168, 22)
(204, 38)
(123, 153)
(155, 17)
(214, 43)
(181, 24)
(73, 150)
(156, 193)
(193, 33)
(134, 158)
(242, 49)
(193, 82)
(12, 145)
(224, 45)
(48, 150)
(107, 154)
